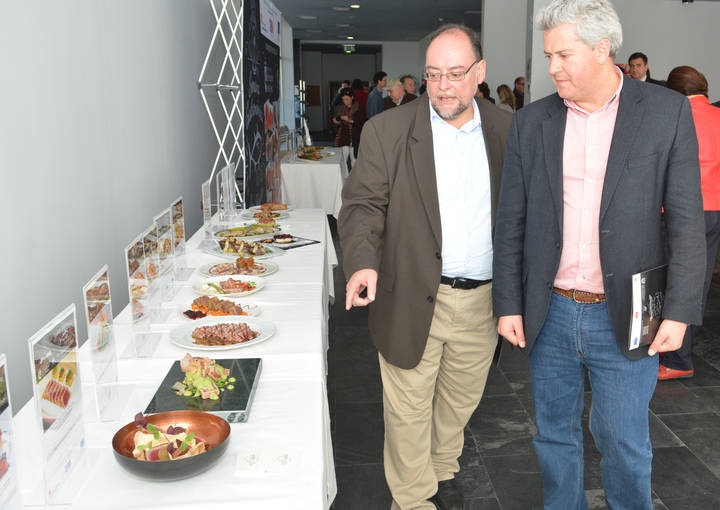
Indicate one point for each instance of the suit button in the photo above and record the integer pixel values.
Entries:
(557, 245)
(549, 285)
(437, 255)
(430, 299)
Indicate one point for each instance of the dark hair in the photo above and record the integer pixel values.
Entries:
(470, 33)
(637, 54)
(377, 77)
(517, 80)
(485, 89)
(357, 84)
(688, 81)
(403, 78)
(347, 91)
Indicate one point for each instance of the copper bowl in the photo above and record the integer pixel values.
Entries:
(213, 430)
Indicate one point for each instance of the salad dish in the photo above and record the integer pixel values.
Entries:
(249, 230)
(171, 445)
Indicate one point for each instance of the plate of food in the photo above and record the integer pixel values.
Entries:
(251, 214)
(232, 248)
(249, 229)
(222, 333)
(210, 306)
(271, 206)
(228, 286)
(171, 445)
(246, 266)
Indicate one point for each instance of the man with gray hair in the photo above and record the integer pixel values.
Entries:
(587, 174)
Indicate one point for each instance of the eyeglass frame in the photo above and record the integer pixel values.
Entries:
(440, 76)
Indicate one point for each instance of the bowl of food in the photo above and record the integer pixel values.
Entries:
(172, 445)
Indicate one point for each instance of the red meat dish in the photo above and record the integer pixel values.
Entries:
(57, 394)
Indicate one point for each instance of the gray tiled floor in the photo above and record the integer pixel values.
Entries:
(498, 466)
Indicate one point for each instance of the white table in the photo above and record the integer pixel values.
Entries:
(314, 184)
(289, 413)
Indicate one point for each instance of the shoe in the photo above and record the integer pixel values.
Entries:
(449, 495)
(665, 373)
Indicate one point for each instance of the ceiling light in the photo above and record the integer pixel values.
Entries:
(350, 38)
(307, 17)
(354, 6)
(342, 25)
(342, 9)
(313, 30)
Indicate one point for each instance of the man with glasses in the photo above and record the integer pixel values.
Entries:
(416, 234)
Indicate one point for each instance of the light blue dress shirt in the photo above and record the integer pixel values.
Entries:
(463, 182)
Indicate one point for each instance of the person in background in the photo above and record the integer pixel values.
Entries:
(587, 173)
(348, 116)
(336, 100)
(396, 94)
(506, 97)
(375, 101)
(483, 90)
(693, 84)
(361, 95)
(408, 82)
(519, 92)
(638, 64)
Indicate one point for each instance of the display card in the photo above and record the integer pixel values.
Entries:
(182, 271)
(58, 398)
(207, 206)
(138, 284)
(9, 489)
(152, 271)
(166, 254)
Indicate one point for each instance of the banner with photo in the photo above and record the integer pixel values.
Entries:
(261, 74)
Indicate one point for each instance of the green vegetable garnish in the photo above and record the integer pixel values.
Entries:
(184, 444)
(144, 446)
(230, 387)
(155, 432)
(231, 379)
(217, 288)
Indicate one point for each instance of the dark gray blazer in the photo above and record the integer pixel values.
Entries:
(390, 221)
(653, 164)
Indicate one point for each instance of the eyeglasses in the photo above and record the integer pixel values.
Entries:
(452, 75)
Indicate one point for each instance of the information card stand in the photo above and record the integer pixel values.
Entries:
(152, 263)
(144, 341)
(9, 492)
(182, 271)
(207, 212)
(58, 398)
(166, 255)
(111, 397)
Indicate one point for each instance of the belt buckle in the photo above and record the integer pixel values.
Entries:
(454, 282)
(573, 296)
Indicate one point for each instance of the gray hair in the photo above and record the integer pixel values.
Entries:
(594, 20)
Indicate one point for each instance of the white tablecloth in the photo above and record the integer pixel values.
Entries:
(314, 183)
(289, 413)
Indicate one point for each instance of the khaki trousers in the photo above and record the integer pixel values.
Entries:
(427, 407)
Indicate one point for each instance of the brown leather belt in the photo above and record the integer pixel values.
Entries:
(580, 296)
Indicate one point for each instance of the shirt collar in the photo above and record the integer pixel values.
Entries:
(469, 126)
(574, 106)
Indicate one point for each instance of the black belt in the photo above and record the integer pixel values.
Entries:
(463, 283)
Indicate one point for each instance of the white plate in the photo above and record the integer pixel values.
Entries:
(182, 335)
(252, 310)
(270, 268)
(277, 229)
(248, 214)
(213, 248)
(197, 286)
(257, 208)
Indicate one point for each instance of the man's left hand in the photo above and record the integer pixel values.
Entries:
(669, 337)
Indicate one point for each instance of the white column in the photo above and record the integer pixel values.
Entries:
(503, 33)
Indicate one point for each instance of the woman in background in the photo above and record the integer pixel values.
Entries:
(506, 97)
(348, 119)
(692, 83)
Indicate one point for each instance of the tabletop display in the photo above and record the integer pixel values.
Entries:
(9, 494)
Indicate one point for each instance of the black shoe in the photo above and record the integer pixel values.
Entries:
(449, 496)
(434, 501)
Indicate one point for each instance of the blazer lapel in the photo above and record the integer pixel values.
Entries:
(423, 158)
(629, 116)
(492, 148)
(553, 133)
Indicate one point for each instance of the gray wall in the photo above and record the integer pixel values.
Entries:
(101, 127)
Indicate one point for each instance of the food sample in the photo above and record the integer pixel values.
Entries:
(312, 153)
(133, 266)
(224, 334)
(203, 378)
(93, 310)
(138, 290)
(214, 306)
(273, 206)
(194, 314)
(153, 444)
(229, 286)
(240, 247)
(267, 217)
(166, 247)
(99, 293)
(65, 338)
(255, 229)
(56, 393)
(283, 238)
(243, 266)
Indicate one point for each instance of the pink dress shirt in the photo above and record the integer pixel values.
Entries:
(585, 154)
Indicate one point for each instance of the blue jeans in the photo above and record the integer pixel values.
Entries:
(577, 339)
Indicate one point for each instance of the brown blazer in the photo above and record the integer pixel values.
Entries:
(390, 221)
(389, 103)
